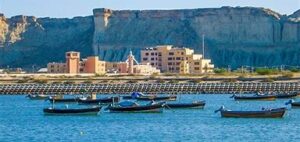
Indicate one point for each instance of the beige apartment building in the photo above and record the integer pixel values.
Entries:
(176, 60)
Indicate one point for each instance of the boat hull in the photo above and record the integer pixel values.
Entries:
(85, 111)
(140, 109)
(71, 100)
(186, 105)
(155, 98)
(283, 96)
(99, 101)
(274, 113)
(256, 98)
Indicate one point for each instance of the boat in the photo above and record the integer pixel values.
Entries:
(255, 97)
(293, 103)
(99, 101)
(37, 97)
(287, 95)
(142, 97)
(129, 106)
(73, 111)
(63, 100)
(196, 104)
(264, 113)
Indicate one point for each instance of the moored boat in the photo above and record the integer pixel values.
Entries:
(293, 103)
(255, 97)
(287, 95)
(73, 111)
(106, 100)
(37, 97)
(128, 106)
(196, 104)
(264, 113)
(143, 97)
(63, 100)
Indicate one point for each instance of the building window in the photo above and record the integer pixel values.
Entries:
(187, 58)
(156, 54)
(182, 53)
(152, 59)
(171, 53)
(170, 58)
(169, 63)
(178, 58)
(197, 68)
(146, 53)
(159, 54)
(152, 54)
(74, 54)
(197, 63)
(152, 64)
(178, 63)
(177, 68)
(145, 59)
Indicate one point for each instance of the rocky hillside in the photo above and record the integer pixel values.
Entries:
(234, 36)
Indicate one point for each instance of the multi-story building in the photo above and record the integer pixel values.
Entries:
(176, 60)
(73, 65)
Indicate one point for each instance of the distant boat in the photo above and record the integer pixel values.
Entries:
(68, 111)
(63, 100)
(287, 95)
(293, 103)
(264, 113)
(37, 97)
(99, 101)
(142, 97)
(255, 97)
(196, 104)
(128, 106)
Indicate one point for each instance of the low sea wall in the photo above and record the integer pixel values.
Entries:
(188, 88)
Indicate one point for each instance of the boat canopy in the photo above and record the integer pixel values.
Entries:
(136, 94)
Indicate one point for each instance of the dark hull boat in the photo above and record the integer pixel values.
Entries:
(37, 97)
(293, 104)
(66, 111)
(292, 95)
(137, 108)
(63, 100)
(157, 98)
(99, 101)
(198, 104)
(266, 113)
(255, 97)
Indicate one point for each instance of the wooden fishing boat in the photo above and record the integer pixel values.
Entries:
(255, 97)
(128, 106)
(196, 104)
(142, 97)
(287, 95)
(264, 113)
(106, 100)
(37, 97)
(63, 100)
(68, 111)
(293, 103)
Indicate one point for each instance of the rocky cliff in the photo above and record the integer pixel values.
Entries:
(234, 36)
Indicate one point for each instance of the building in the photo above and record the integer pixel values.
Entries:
(176, 60)
(131, 66)
(73, 65)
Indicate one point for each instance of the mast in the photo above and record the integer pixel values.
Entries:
(203, 45)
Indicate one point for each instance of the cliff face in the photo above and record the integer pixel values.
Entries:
(234, 36)
(28, 41)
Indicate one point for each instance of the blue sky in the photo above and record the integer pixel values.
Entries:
(71, 8)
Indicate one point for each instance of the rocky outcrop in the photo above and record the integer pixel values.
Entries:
(234, 36)
(32, 41)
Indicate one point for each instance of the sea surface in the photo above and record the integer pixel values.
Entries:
(23, 120)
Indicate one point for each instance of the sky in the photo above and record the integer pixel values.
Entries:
(72, 8)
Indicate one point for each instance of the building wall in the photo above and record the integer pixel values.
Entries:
(56, 67)
(169, 59)
(72, 62)
(93, 65)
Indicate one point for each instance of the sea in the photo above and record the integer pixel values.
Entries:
(23, 120)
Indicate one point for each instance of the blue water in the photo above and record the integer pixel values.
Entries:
(23, 120)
